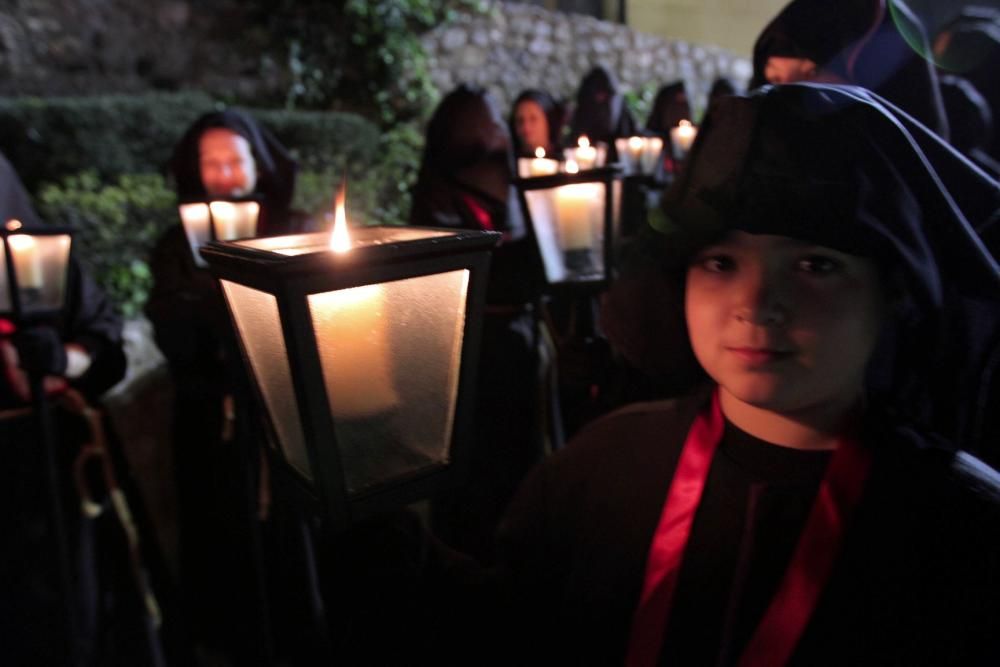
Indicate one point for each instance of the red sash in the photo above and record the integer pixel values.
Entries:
(812, 561)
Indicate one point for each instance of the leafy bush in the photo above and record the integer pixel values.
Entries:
(116, 227)
(50, 139)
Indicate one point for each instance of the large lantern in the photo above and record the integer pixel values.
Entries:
(33, 269)
(574, 219)
(221, 220)
(362, 352)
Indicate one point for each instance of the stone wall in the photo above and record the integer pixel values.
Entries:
(516, 46)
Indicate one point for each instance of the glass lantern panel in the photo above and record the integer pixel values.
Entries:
(5, 305)
(234, 220)
(569, 225)
(195, 218)
(390, 356)
(259, 325)
(40, 264)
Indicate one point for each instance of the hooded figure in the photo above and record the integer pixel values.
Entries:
(876, 44)
(465, 181)
(600, 111)
(798, 513)
(530, 111)
(669, 108)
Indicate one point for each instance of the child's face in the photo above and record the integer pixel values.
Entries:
(782, 324)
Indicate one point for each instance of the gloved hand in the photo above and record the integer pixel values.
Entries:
(40, 350)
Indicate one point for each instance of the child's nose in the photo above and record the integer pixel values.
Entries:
(761, 299)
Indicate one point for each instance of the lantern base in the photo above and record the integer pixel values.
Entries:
(374, 451)
(580, 264)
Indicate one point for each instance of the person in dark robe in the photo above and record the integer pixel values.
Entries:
(223, 155)
(465, 181)
(969, 46)
(536, 121)
(600, 111)
(670, 107)
(721, 87)
(78, 353)
(877, 44)
(805, 507)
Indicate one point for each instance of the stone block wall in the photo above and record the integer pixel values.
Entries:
(515, 46)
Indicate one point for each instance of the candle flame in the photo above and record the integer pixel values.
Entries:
(340, 239)
(635, 143)
(572, 167)
(539, 152)
(584, 142)
(13, 224)
(684, 123)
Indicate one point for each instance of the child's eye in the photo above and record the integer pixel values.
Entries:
(819, 265)
(717, 263)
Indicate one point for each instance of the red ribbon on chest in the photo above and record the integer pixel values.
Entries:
(818, 547)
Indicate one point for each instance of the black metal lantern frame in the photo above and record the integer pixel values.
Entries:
(33, 271)
(201, 227)
(565, 265)
(277, 289)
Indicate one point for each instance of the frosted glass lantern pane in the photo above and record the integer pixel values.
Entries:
(5, 305)
(40, 263)
(234, 220)
(569, 226)
(195, 218)
(390, 355)
(259, 325)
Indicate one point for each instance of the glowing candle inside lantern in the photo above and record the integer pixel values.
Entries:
(682, 137)
(651, 154)
(196, 219)
(635, 146)
(352, 336)
(234, 220)
(578, 211)
(541, 166)
(586, 155)
(27, 261)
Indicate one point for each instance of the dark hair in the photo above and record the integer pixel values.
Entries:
(669, 108)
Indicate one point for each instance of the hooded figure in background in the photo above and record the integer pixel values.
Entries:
(641, 541)
(224, 155)
(877, 44)
(80, 357)
(669, 108)
(465, 181)
(600, 111)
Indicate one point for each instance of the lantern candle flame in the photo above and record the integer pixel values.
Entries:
(340, 239)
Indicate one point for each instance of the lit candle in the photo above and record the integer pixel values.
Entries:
(195, 218)
(234, 220)
(541, 166)
(353, 343)
(651, 154)
(682, 137)
(635, 146)
(584, 154)
(578, 215)
(27, 261)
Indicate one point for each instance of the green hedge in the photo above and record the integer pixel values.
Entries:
(49, 139)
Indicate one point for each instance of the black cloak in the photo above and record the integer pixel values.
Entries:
(861, 42)
(276, 169)
(841, 167)
(554, 116)
(600, 111)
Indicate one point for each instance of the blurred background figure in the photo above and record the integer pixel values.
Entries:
(216, 437)
(670, 107)
(720, 88)
(876, 44)
(465, 182)
(536, 121)
(600, 111)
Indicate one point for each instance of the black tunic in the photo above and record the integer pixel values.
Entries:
(917, 582)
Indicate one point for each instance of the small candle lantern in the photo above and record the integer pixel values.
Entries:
(33, 269)
(361, 350)
(217, 221)
(537, 166)
(640, 156)
(574, 219)
(586, 156)
(681, 138)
